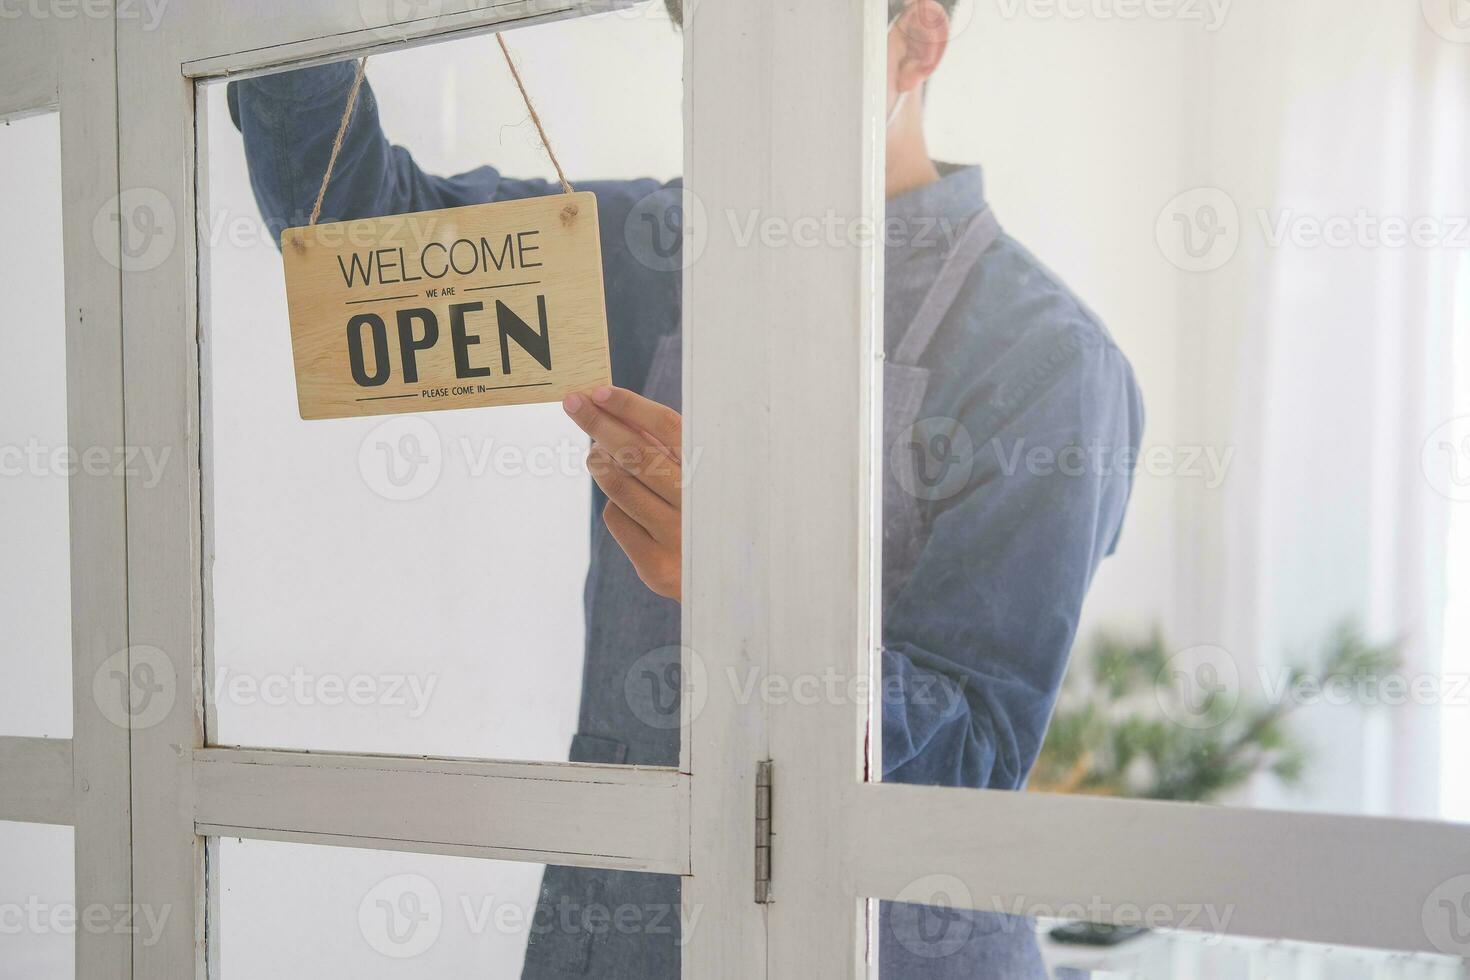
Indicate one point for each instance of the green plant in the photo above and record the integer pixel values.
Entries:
(1116, 730)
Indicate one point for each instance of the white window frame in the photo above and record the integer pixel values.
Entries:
(67, 64)
(185, 792)
(779, 574)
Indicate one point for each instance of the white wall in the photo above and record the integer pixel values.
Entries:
(36, 892)
(37, 902)
(35, 556)
(349, 915)
(1320, 369)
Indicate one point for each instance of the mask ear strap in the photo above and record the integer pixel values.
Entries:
(897, 107)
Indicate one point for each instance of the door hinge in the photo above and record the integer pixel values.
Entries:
(763, 832)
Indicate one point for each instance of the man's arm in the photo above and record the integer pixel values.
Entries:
(289, 121)
(976, 642)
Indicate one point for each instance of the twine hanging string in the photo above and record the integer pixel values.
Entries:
(535, 116)
(316, 209)
(569, 212)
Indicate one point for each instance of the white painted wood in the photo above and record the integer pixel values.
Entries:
(212, 904)
(598, 816)
(311, 34)
(36, 774)
(1341, 880)
(156, 157)
(85, 59)
(30, 74)
(729, 547)
(206, 465)
(817, 316)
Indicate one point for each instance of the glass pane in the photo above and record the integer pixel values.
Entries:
(368, 914)
(1061, 943)
(1175, 493)
(35, 458)
(415, 584)
(38, 913)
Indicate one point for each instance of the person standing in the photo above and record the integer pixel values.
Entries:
(985, 566)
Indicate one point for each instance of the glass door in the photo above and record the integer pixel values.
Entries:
(404, 662)
(1141, 550)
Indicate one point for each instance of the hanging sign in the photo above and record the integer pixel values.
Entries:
(470, 307)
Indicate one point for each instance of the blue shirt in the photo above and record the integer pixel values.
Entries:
(977, 639)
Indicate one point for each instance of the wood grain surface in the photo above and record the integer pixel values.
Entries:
(470, 307)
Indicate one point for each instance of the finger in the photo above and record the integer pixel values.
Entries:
(658, 566)
(662, 423)
(629, 492)
(634, 452)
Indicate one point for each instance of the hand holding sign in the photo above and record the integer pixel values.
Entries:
(636, 461)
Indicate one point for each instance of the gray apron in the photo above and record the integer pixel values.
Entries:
(631, 683)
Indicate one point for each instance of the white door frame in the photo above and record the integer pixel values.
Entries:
(183, 791)
(50, 61)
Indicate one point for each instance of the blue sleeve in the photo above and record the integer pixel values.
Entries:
(289, 121)
(977, 640)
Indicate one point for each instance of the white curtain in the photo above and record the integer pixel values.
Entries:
(1328, 366)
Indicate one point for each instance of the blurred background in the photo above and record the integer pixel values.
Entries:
(1265, 203)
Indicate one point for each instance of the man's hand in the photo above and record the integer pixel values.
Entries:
(635, 460)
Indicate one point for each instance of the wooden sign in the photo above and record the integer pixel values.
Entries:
(493, 304)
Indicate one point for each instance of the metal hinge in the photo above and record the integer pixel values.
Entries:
(763, 832)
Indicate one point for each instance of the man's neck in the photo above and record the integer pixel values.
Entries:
(909, 166)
